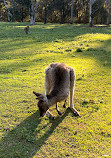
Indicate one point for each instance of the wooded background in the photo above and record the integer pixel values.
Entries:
(56, 11)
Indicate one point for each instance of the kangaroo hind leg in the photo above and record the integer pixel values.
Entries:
(72, 85)
(58, 110)
(64, 105)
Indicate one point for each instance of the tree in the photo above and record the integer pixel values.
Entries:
(46, 9)
(45, 14)
(83, 11)
(99, 11)
(23, 8)
(19, 9)
(63, 8)
(33, 10)
(72, 7)
(8, 11)
(90, 13)
(108, 11)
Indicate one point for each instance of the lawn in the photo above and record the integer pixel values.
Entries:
(23, 59)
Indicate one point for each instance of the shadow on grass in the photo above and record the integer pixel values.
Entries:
(23, 64)
(101, 54)
(20, 142)
(38, 35)
(45, 33)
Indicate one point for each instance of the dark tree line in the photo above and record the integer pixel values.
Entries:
(57, 11)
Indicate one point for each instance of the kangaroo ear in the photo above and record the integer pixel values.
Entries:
(39, 96)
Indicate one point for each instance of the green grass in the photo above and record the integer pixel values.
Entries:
(23, 59)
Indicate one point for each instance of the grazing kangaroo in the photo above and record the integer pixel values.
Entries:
(59, 82)
(26, 29)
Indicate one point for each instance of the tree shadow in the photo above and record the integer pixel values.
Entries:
(21, 141)
(102, 54)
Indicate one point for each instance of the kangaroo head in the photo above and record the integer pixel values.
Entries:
(42, 103)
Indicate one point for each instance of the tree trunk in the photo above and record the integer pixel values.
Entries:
(22, 18)
(45, 15)
(9, 13)
(62, 17)
(62, 13)
(86, 13)
(72, 6)
(33, 10)
(108, 10)
(90, 14)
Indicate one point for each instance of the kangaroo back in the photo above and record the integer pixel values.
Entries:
(59, 82)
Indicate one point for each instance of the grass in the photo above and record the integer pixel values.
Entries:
(23, 59)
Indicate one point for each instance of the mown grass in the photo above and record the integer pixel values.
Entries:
(23, 59)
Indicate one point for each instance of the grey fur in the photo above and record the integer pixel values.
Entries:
(59, 83)
(26, 29)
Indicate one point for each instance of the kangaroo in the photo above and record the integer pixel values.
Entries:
(59, 83)
(26, 29)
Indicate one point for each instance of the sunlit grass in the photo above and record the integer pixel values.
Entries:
(23, 59)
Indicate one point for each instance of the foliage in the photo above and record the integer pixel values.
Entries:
(23, 59)
(98, 10)
(3, 12)
(21, 9)
(57, 11)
